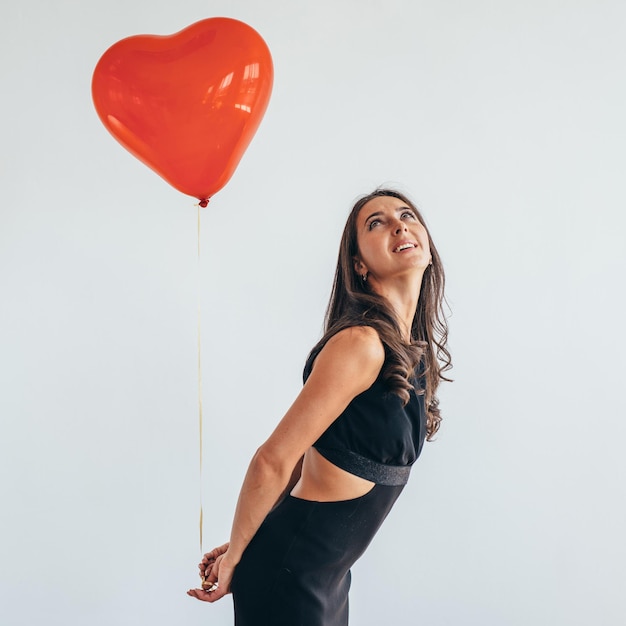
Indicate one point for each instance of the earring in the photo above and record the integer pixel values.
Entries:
(364, 277)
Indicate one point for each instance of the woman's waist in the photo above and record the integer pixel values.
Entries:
(323, 481)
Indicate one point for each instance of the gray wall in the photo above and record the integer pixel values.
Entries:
(503, 120)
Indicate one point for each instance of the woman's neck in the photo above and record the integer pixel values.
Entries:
(403, 297)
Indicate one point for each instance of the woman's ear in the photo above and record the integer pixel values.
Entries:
(359, 267)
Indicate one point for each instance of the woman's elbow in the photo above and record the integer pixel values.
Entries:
(271, 465)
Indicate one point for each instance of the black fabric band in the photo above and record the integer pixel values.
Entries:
(379, 473)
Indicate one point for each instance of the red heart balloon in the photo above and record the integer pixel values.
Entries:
(186, 104)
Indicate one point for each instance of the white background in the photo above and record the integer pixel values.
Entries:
(505, 123)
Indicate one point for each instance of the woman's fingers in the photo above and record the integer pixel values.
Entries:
(209, 572)
(205, 564)
(205, 572)
(211, 556)
(202, 594)
(217, 583)
(207, 596)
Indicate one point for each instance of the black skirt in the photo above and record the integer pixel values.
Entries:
(296, 569)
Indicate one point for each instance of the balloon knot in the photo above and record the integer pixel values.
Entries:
(204, 202)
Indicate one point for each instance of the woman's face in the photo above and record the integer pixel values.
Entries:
(391, 239)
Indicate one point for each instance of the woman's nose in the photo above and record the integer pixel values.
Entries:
(399, 227)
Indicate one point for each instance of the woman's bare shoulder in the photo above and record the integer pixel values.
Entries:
(356, 350)
(347, 365)
(363, 339)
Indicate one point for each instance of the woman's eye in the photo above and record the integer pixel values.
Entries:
(409, 214)
(373, 224)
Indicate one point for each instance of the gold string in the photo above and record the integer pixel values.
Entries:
(200, 381)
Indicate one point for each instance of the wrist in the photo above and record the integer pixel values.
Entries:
(231, 558)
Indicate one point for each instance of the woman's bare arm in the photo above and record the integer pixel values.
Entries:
(295, 477)
(348, 365)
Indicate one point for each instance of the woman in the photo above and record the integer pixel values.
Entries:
(319, 488)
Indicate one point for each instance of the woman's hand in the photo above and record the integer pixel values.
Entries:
(208, 560)
(216, 573)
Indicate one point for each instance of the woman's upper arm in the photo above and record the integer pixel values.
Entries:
(347, 365)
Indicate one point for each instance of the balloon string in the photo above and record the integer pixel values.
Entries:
(200, 380)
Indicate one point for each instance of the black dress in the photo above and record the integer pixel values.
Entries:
(296, 569)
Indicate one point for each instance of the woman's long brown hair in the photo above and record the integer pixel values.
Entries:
(352, 303)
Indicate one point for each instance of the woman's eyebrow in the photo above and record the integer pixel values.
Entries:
(375, 214)
(399, 209)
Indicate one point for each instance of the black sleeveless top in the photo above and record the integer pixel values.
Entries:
(376, 437)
